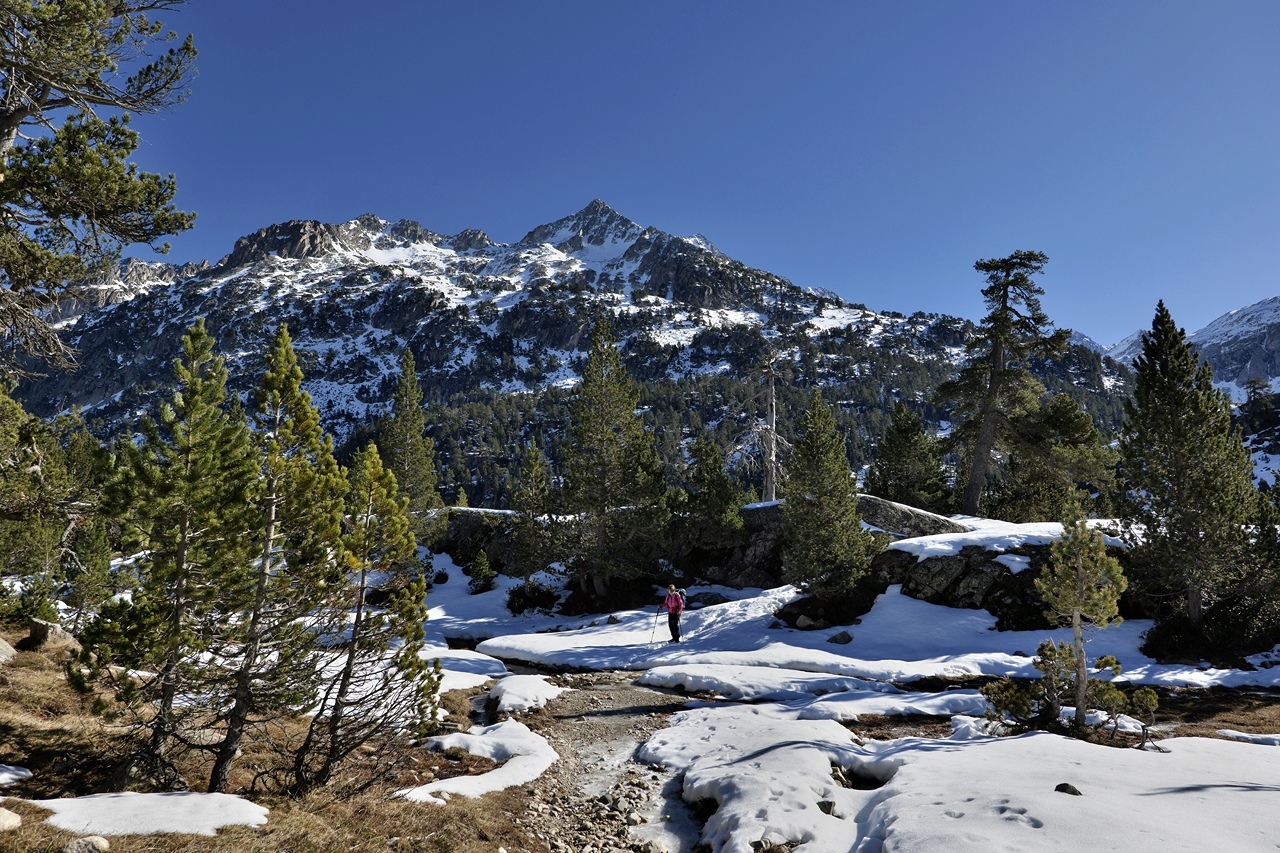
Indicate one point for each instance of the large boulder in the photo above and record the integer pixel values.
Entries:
(900, 520)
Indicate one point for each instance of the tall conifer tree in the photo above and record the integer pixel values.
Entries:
(534, 530)
(996, 386)
(1188, 473)
(908, 466)
(189, 487)
(826, 547)
(613, 477)
(272, 668)
(407, 451)
(379, 681)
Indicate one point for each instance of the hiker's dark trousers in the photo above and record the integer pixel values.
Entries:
(673, 622)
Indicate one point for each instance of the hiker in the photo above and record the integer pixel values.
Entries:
(674, 605)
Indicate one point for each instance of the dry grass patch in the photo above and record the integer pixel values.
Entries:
(880, 727)
(1191, 712)
(371, 823)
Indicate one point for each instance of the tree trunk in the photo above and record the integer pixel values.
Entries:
(243, 702)
(985, 441)
(1082, 671)
(771, 442)
(1195, 603)
(162, 725)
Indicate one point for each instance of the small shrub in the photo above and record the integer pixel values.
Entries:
(531, 596)
(482, 575)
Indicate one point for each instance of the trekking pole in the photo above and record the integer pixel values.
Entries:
(655, 625)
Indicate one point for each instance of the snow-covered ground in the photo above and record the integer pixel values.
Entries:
(765, 751)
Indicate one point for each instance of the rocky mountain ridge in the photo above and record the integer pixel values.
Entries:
(485, 315)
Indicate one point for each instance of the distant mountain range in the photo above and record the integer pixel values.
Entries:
(485, 315)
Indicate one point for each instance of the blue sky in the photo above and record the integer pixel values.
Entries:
(875, 149)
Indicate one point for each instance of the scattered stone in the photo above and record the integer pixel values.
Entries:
(88, 844)
(775, 625)
(613, 620)
(843, 638)
(9, 820)
(6, 651)
(804, 623)
(1068, 788)
(826, 806)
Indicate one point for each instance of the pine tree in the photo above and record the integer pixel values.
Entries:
(1082, 582)
(996, 386)
(715, 500)
(1189, 476)
(270, 651)
(482, 574)
(1055, 454)
(71, 199)
(408, 452)
(379, 682)
(908, 466)
(534, 530)
(613, 477)
(87, 568)
(826, 548)
(189, 487)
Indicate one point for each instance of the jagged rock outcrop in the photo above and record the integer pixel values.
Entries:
(297, 238)
(973, 578)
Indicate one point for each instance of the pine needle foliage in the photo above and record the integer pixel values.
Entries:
(614, 485)
(535, 532)
(715, 500)
(1082, 583)
(908, 466)
(69, 197)
(1189, 477)
(826, 549)
(997, 387)
(1056, 456)
(186, 491)
(377, 683)
(409, 453)
(270, 651)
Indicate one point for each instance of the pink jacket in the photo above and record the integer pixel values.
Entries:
(673, 603)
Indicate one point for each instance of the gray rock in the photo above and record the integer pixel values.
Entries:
(49, 634)
(88, 844)
(613, 620)
(843, 638)
(6, 652)
(9, 820)
(804, 623)
(1068, 788)
(902, 520)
